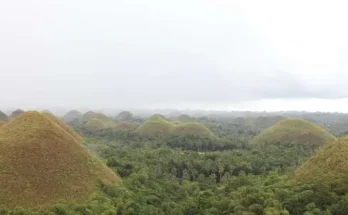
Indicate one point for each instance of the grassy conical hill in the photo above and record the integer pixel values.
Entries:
(94, 124)
(124, 126)
(124, 116)
(108, 122)
(72, 116)
(93, 115)
(155, 125)
(176, 122)
(328, 165)
(16, 113)
(64, 126)
(192, 129)
(3, 116)
(42, 164)
(294, 131)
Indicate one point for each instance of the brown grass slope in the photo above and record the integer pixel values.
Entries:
(64, 126)
(3, 116)
(294, 131)
(192, 129)
(42, 164)
(328, 165)
(2, 123)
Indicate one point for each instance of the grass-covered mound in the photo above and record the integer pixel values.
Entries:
(329, 165)
(294, 131)
(123, 126)
(108, 122)
(124, 116)
(72, 116)
(64, 126)
(16, 113)
(3, 116)
(192, 129)
(42, 164)
(155, 125)
(176, 123)
(94, 125)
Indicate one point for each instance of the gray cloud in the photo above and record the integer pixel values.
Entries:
(133, 53)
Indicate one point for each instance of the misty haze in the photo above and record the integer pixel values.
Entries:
(193, 107)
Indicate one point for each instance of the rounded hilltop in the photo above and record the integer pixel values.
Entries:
(72, 116)
(3, 116)
(329, 165)
(192, 129)
(43, 162)
(16, 113)
(94, 115)
(294, 131)
(97, 120)
(94, 124)
(124, 116)
(155, 125)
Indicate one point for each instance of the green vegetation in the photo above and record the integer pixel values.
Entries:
(124, 116)
(72, 116)
(94, 124)
(295, 131)
(184, 118)
(155, 125)
(97, 120)
(16, 113)
(42, 164)
(124, 126)
(3, 116)
(192, 128)
(180, 171)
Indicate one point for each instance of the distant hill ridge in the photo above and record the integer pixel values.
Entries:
(157, 124)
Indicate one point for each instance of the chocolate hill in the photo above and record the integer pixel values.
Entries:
(72, 116)
(3, 116)
(16, 113)
(329, 165)
(294, 131)
(192, 129)
(43, 163)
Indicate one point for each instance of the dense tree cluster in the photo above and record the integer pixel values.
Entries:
(187, 175)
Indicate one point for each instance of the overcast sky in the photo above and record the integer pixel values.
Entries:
(202, 54)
